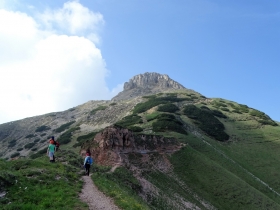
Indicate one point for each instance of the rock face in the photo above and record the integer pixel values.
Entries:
(147, 83)
(113, 144)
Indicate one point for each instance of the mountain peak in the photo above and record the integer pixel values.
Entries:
(147, 83)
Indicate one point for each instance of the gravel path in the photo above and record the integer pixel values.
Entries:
(95, 199)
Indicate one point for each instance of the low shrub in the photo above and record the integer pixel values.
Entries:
(84, 138)
(207, 122)
(113, 104)
(152, 116)
(168, 122)
(29, 145)
(36, 140)
(30, 136)
(43, 134)
(97, 109)
(225, 109)
(152, 102)
(65, 138)
(135, 128)
(129, 121)
(19, 149)
(42, 128)
(169, 107)
(64, 127)
(16, 154)
(217, 113)
(236, 111)
(12, 143)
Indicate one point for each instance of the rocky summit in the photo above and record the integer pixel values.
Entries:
(147, 83)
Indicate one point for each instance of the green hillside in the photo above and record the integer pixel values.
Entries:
(229, 159)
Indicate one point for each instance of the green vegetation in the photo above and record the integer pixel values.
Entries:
(15, 154)
(97, 109)
(121, 186)
(39, 184)
(30, 136)
(40, 153)
(19, 149)
(168, 122)
(29, 145)
(12, 143)
(65, 138)
(153, 101)
(264, 119)
(113, 104)
(135, 128)
(84, 138)
(36, 140)
(207, 122)
(42, 128)
(169, 107)
(129, 121)
(64, 127)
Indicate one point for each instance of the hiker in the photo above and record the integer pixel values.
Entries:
(54, 142)
(50, 151)
(88, 161)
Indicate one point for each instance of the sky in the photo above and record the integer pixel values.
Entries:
(55, 54)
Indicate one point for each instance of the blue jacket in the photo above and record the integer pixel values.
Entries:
(88, 160)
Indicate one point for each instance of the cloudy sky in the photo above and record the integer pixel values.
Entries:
(58, 54)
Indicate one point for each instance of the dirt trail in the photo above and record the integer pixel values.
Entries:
(95, 199)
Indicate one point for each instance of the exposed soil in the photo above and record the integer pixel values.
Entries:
(95, 199)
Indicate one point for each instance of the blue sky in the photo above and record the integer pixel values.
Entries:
(224, 49)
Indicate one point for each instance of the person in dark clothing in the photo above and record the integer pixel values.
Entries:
(88, 162)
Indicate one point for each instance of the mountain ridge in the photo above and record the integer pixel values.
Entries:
(175, 148)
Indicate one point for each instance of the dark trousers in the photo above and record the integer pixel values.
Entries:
(87, 166)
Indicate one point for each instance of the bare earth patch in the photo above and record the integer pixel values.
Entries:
(95, 199)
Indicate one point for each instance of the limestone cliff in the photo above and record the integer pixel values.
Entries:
(147, 83)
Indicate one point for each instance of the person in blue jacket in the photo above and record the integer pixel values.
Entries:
(88, 162)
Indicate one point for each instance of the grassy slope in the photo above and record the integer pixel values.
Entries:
(39, 184)
(219, 172)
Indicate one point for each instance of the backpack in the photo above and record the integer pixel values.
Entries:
(89, 160)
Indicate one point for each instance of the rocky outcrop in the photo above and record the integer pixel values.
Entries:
(147, 83)
(109, 146)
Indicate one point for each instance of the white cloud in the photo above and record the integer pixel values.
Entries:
(46, 69)
(73, 18)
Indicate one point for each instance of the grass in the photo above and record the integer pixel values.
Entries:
(39, 184)
(217, 180)
(121, 186)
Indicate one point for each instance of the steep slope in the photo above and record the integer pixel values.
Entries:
(172, 147)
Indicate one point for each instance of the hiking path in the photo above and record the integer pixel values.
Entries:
(95, 199)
